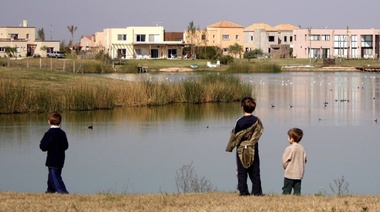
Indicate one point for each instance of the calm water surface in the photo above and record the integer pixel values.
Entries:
(139, 150)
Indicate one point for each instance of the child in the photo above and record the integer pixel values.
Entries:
(293, 161)
(55, 143)
(245, 137)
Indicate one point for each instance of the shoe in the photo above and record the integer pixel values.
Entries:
(49, 192)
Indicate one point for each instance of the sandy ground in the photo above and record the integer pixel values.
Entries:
(176, 69)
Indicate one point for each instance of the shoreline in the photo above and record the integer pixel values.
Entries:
(323, 69)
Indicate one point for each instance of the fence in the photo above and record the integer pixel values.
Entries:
(66, 65)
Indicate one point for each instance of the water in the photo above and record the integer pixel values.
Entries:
(139, 150)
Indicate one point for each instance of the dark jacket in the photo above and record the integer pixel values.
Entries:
(55, 143)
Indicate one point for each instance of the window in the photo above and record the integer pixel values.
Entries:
(291, 38)
(203, 37)
(2, 49)
(237, 37)
(225, 37)
(285, 39)
(121, 37)
(314, 53)
(121, 53)
(154, 38)
(271, 38)
(295, 38)
(354, 41)
(366, 40)
(314, 37)
(340, 41)
(140, 38)
(172, 52)
(14, 36)
(225, 49)
(27, 36)
(325, 37)
(251, 38)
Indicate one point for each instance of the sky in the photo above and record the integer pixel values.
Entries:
(92, 16)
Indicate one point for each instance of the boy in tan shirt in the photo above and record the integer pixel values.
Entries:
(293, 161)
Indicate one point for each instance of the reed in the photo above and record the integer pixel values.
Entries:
(247, 67)
(25, 91)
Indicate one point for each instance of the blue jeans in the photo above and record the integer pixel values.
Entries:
(55, 182)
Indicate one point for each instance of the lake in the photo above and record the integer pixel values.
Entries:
(139, 150)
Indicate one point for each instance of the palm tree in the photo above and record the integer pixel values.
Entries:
(72, 29)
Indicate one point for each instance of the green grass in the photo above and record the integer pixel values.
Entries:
(130, 66)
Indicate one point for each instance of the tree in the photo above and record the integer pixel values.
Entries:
(235, 49)
(253, 54)
(44, 48)
(41, 34)
(72, 29)
(191, 34)
(10, 51)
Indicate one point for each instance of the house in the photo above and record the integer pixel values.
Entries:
(136, 42)
(221, 34)
(92, 43)
(336, 43)
(23, 38)
(267, 38)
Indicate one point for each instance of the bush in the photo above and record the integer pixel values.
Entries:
(227, 59)
(187, 181)
(208, 52)
(253, 54)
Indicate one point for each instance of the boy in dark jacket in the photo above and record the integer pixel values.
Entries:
(245, 137)
(55, 143)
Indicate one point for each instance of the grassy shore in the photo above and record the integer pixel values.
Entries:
(130, 66)
(218, 201)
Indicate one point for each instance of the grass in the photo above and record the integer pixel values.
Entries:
(30, 90)
(130, 66)
(215, 201)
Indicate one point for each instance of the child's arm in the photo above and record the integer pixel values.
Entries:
(286, 158)
(45, 142)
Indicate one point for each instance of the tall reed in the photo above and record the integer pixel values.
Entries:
(21, 96)
(246, 67)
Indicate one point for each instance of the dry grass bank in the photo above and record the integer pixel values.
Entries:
(218, 201)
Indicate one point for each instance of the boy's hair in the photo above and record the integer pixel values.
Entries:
(248, 104)
(55, 118)
(296, 134)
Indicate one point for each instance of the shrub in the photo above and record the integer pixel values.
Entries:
(227, 59)
(187, 181)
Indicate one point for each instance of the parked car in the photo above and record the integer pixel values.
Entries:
(56, 54)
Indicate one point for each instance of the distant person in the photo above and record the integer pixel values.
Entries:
(294, 161)
(55, 143)
(245, 137)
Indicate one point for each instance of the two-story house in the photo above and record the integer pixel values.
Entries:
(221, 34)
(336, 43)
(136, 42)
(275, 42)
(23, 39)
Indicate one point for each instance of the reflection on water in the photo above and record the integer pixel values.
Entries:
(139, 149)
